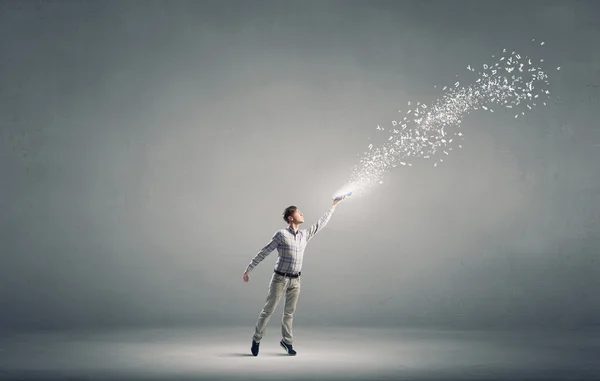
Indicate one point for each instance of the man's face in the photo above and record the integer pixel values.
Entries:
(298, 217)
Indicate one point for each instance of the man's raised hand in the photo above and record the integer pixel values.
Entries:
(335, 202)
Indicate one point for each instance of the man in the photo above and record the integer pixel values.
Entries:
(290, 243)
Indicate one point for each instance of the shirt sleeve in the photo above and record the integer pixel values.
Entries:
(262, 254)
(320, 224)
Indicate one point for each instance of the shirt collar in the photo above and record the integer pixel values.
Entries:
(291, 230)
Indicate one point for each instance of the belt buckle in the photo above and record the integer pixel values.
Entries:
(288, 275)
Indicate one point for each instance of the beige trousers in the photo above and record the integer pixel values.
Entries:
(279, 286)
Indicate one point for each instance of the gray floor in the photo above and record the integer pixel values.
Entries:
(323, 354)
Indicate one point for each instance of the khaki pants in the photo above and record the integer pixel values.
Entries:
(278, 286)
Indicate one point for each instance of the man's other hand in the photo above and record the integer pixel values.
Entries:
(245, 276)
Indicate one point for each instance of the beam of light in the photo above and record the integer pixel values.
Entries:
(513, 82)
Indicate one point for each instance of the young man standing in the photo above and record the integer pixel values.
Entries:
(290, 243)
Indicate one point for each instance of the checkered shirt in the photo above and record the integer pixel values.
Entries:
(290, 246)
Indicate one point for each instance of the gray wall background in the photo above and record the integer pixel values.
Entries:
(149, 148)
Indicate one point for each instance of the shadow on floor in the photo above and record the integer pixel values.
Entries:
(238, 354)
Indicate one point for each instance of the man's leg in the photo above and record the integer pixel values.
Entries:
(276, 288)
(291, 300)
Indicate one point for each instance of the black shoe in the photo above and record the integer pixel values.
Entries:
(255, 348)
(288, 348)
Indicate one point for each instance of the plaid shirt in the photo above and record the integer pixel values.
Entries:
(290, 246)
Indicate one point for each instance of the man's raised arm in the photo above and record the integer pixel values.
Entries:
(314, 229)
(323, 220)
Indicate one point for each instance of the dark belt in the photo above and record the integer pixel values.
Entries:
(288, 275)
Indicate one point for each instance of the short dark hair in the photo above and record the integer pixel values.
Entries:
(288, 212)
